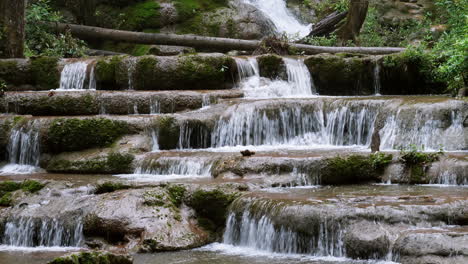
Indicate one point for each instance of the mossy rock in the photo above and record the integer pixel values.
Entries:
(15, 72)
(8, 187)
(168, 132)
(93, 258)
(60, 105)
(272, 66)
(78, 134)
(353, 169)
(114, 163)
(45, 72)
(107, 71)
(212, 205)
(342, 74)
(404, 74)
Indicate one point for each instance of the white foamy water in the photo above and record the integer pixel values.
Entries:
(73, 76)
(38, 249)
(299, 83)
(281, 17)
(23, 151)
(423, 130)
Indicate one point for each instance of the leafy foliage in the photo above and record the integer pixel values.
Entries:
(413, 155)
(40, 41)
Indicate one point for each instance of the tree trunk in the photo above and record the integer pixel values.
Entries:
(327, 25)
(12, 28)
(200, 42)
(356, 16)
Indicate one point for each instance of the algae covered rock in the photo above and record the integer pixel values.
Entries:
(96, 257)
(272, 66)
(113, 163)
(77, 134)
(365, 240)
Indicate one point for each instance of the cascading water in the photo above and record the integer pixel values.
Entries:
(193, 135)
(154, 140)
(295, 126)
(281, 17)
(92, 79)
(131, 67)
(299, 83)
(23, 150)
(258, 231)
(73, 76)
(167, 168)
(422, 130)
(155, 106)
(43, 232)
(377, 82)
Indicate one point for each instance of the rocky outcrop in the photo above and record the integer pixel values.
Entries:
(96, 257)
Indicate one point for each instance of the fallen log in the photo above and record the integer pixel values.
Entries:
(328, 24)
(200, 42)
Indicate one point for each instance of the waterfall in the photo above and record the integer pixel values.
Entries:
(92, 79)
(46, 232)
(299, 83)
(193, 135)
(23, 150)
(246, 230)
(299, 77)
(154, 140)
(303, 177)
(73, 76)
(295, 126)
(135, 109)
(281, 17)
(206, 101)
(424, 129)
(169, 168)
(131, 68)
(377, 83)
(155, 106)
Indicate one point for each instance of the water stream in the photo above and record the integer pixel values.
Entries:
(74, 76)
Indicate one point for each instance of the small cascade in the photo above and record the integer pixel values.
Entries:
(299, 83)
(303, 177)
(295, 125)
(154, 140)
(424, 129)
(299, 77)
(73, 76)
(260, 232)
(23, 150)
(135, 109)
(194, 135)
(206, 101)
(155, 106)
(131, 67)
(281, 17)
(44, 232)
(377, 82)
(175, 167)
(92, 79)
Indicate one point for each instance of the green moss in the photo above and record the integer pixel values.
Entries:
(416, 162)
(212, 205)
(145, 73)
(204, 72)
(108, 187)
(113, 163)
(106, 72)
(270, 66)
(142, 15)
(168, 132)
(93, 258)
(59, 105)
(176, 194)
(141, 50)
(78, 134)
(45, 72)
(7, 187)
(354, 169)
(11, 73)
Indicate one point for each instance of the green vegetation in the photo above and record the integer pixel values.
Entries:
(211, 206)
(108, 187)
(77, 134)
(42, 42)
(416, 162)
(93, 258)
(270, 65)
(8, 187)
(354, 168)
(45, 72)
(113, 163)
(176, 194)
(168, 132)
(142, 16)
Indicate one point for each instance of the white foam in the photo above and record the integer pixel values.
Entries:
(38, 249)
(11, 169)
